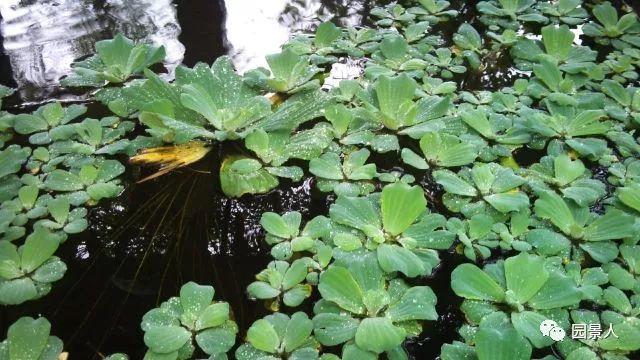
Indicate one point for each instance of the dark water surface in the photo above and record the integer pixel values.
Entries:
(141, 247)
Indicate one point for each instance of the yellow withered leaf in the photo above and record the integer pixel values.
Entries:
(169, 158)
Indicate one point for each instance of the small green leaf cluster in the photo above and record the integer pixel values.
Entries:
(63, 166)
(170, 330)
(115, 61)
(29, 338)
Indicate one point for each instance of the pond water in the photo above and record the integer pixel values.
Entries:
(142, 246)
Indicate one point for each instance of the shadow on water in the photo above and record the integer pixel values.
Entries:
(142, 246)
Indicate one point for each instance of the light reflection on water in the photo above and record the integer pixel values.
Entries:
(42, 38)
(257, 28)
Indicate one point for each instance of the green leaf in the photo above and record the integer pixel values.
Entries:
(417, 303)
(613, 225)
(298, 330)
(166, 339)
(338, 285)
(275, 224)
(616, 91)
(297, 110)
(239, 176)
(628, 339)
(38, 247)
(296, 295)
(12, 158)
(552, 207)
(52, 270)
(394, 258)
(508, 202)
(326, 34)
(333, 329)
(468, 281)
(566, 170)
(452, 183)
(617, 299)
(17, 291)
(557, 41)
(262, 290)
(263, 336)
(28, 124)
(327, 166)
(394, 47)
(457, 351)
(447, 150)
(401, 205)
(194, 299)
(606, 14)
(558, 291)
(219, 94)
(28, 195)
(477, 120)
(518, 272)
(59, 209)
(496, 339)
(213, 315)
(547, 71)
(630, 196)
(28, 338)
(357, 212)
(216, 341)
(60, 180)
(379, 335)
(527, 323)
(295, 274)
(411, 158)
(116, 60)
(353, 352)
(394, 95)
(248, 352)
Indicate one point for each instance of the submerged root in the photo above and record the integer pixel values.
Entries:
(170, 158)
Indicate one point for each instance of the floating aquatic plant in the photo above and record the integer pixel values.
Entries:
(29, 338)
(116, 61)
(170, 330)
(534, 178)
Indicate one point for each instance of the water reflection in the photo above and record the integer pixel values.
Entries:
(255, 29)
(42, 38)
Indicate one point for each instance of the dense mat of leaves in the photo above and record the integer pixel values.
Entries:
(518, 168)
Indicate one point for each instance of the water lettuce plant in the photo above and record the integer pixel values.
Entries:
(283, 282)
(528, 299)
(371, 317)
(505, 144)
(594, 233)
(402, 243)
(611, 29)
(278, 336)
(570, 12)
(116, 60)
(30, 338)
(509, 13)
(495, 185)
(558, 43)
(27, 272)
(352, 176)
(170, 330)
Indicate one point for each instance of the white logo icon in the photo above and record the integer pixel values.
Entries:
(551, 329)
